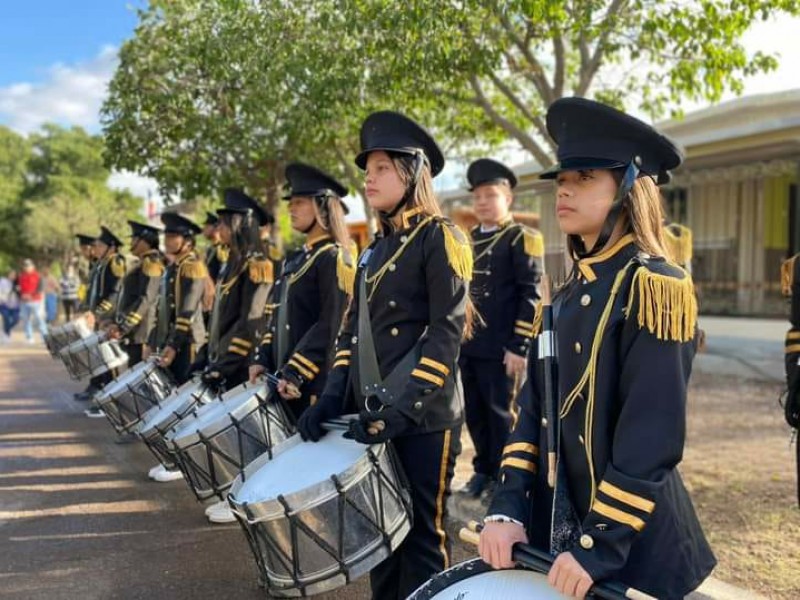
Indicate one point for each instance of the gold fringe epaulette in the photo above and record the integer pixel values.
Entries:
(118, 265)
(260, 270)
(223, 253)
(458, 250)
(787, 275)
(667, 304)
(533, 242)
(679, 243)
(193, 268)
(275, 253)
(346, 269)
(152, 266)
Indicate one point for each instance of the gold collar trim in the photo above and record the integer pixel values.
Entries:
(310, 242)
(585, 264)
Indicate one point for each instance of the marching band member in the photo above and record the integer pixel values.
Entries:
(237, 317)
(86, 274)
(396, 361)
(139, 297)
(625, 325)
(216, 252)
(103, 300)
(310, 297)
(508, 264)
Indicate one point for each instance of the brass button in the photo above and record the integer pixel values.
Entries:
(392, 267)
(578, 347)
(404, 238)
(579, 397)
(394, 331)
(418, 405)
(489, 272)
(544, 422)
(587, 543)
(586, 300)
(354, 340)
(287, 326)
(580, 438)
(392, 304)
(486, 294)
(488, 253)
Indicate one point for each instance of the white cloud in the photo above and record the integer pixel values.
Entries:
(69, 95)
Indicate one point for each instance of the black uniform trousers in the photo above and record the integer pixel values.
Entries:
(487, 399)
(428, 460)
(184, 357)
(135, 352)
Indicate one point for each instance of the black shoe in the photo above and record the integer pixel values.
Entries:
(85, 395)
(475, 486)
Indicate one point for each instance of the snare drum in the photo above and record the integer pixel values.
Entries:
(58, 338)
(215, 444)
(476, 580)
(158, 421)
(93, 356)
(319, 515)
(126, 399)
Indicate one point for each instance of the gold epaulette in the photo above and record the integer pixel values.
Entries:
(223, 253)
(193, 268)
(532, 241)
(260, 270)
(152, 266)
(667, 301)
(346, 268)
(458, 250)
(679, 243)
(275, 253)
(118, 265)
(787, 275)
(537, 319)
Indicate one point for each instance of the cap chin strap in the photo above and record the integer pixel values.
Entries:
(625, 187)
(419, 164)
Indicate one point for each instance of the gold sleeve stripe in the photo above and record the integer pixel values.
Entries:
(342, 353)
(181, 328)
(643, 504)
(521, 447)
(183, 320)
(523, 332)
(617, 515)
(428, 377)
(241, 342)
(524, 324)
(793, 348)
(302, 359)
(237, 350)
(518, 463)
(793, 335)
(341, 363)
(434, 364)
(301, 369)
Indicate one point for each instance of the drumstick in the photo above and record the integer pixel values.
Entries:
(529, 557)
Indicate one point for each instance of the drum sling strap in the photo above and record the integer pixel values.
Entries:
(281, 344)
(370, 383)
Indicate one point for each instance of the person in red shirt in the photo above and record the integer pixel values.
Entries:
(30, 295)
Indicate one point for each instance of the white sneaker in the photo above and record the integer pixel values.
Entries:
(217, 506)
(155, 471)
(166, 475)
(222, 516)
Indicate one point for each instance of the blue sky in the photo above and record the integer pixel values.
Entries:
(35, 35)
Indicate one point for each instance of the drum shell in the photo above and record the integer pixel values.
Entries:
(61, 336)
(159, 420)
(93, 356)
(212, 454)
(319, 508)
(126, 399)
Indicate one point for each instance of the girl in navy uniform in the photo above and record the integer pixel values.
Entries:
(236, 322)
(625, 326)
(396, 362)
(310, 297)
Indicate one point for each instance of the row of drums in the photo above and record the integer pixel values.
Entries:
(316, 515)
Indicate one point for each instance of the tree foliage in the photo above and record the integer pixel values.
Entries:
(210, 93)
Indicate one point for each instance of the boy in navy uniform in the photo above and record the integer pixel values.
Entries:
(508, 265)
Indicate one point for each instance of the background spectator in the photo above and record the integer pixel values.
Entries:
(50, 288)
(69, 284)
(31, 298)
(9, 304)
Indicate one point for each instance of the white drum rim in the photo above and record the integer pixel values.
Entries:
(112, 388)
(179, 401)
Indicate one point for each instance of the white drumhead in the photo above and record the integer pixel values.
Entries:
(302, 466)
(176, 403)
(508, 585)
(121, 383)
(210, 413)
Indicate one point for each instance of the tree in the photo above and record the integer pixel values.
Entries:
(14, 153)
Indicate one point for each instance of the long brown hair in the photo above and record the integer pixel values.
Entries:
(331, 219)
(425, 198)
(644, 213)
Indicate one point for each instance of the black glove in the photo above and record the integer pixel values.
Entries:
(395, 424)
(213, 379)
(310, 422)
